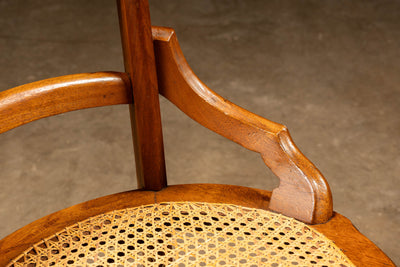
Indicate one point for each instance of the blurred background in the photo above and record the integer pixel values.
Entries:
(328, 70)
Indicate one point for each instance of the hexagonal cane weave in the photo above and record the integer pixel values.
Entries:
(186, 234)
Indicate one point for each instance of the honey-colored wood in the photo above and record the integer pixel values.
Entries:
(134, 19)
(53, 96)
(339, 229)
(22, 239)
(303, 192)
(17, 242)
(360, 250)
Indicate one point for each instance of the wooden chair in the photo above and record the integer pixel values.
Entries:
(197, 224)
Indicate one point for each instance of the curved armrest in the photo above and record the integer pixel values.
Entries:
(33, 101)
(303, 192)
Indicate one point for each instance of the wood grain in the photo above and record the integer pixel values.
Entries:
(339, 229)
(303, 192)
(134, 19)
(360, 250)
(54, 96)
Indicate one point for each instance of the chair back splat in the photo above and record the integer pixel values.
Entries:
(139, 60)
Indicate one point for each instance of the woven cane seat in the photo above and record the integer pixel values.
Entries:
(185, 234)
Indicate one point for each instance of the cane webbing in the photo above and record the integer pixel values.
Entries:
(186, 234)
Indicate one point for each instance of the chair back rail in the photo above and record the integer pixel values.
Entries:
(303, 192)
(33, 101)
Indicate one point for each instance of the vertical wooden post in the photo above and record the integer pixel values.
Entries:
(137, 43)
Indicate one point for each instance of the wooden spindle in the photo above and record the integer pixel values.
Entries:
(137, 43)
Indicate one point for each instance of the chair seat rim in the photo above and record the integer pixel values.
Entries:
(349, 240)
(186, 233)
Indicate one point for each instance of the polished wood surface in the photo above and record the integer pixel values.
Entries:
(134, 19)
(360, 250)
(54, 96)
(357, 247)
(20, 240)
(303, 192)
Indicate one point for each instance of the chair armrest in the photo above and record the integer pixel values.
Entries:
(33, 101)
(303, 192)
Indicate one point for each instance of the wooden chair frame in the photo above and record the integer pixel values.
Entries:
(155, 65)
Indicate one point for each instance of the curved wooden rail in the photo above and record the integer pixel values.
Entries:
(360, 250)
(303, 192)
(53, 96)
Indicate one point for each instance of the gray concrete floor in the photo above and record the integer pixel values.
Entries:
(329, 70)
